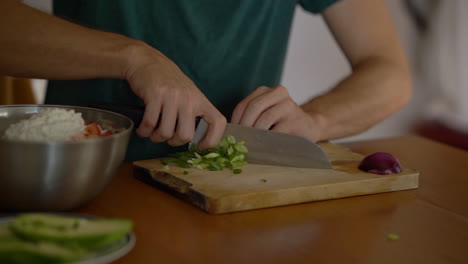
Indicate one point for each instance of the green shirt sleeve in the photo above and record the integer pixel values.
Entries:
(316, 6)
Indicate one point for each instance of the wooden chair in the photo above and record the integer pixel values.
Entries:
(16, 91)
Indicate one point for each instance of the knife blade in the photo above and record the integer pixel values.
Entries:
(272, 148)
(265, 146)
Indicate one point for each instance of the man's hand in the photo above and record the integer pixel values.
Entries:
(273, 108)
(172, 101)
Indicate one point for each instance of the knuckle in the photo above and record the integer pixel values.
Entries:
(166, 92)
(174, 143)
(210, 144)
(162, 135)
(187, 102)
(160, 90)
(281, 89)
(263, 88)
(239, 110)
(290, 104)
(268, 117)
(155, 138)
(165, 135)
(184, 137)
(221, 119)
(240, 106)
(174, 94)
(148, 123)
(254, 105)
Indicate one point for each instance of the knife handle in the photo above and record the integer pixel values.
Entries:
(134, 112)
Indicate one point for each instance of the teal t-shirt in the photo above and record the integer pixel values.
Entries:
(228, 48)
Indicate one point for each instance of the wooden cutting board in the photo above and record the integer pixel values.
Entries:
(261, 186)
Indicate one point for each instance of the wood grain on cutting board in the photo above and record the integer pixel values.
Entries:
(261, 186)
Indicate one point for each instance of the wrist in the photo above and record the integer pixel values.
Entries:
(131, 55)
(137, 55)
(318, 126)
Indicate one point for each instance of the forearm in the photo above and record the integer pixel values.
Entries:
(376, 89)
(35, 44)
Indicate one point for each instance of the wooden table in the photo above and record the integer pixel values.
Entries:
(432, 221)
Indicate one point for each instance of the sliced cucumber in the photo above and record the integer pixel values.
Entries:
(70, 231)
(14, 250)
(6, 234)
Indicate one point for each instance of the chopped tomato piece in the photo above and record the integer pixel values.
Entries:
(93, 130)
(107, 133)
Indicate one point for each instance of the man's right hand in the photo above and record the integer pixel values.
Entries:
(172, 101)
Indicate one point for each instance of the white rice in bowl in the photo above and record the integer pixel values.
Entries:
(50, 124)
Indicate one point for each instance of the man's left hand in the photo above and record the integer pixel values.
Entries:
(273, 109)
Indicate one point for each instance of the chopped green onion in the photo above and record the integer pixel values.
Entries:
(222, 161)
(228, 154)
(240, 148)
(393, 237)
(230, 139)
(230, 150)
(223, 143)
(167, 161)
(165, 168)
(182, 164)
(263, 180)
(215, 167)
(212, 155)
(237, 171)
(197, 161)
(238, 157)
(202, 166)
(239, 163)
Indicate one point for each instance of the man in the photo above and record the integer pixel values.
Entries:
(214, 59)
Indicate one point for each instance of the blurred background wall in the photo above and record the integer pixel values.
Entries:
(315, 63)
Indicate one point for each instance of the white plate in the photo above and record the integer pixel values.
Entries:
(98, 256)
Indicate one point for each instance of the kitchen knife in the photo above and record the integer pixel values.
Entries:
(273, 148)
(265, 146)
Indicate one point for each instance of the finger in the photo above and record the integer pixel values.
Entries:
(185, 128)
(281, 126)
(271, 116)
(260, 104)
(240, 108)
(150, 118)
(216, 126)
(166, 127)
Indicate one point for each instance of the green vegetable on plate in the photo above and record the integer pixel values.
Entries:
(14, 249)
(49, 238)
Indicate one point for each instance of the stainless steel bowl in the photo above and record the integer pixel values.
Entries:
(58, 176)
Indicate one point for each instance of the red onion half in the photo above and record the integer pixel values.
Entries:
(382, 163)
